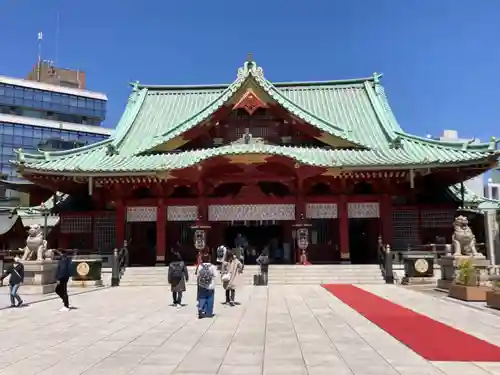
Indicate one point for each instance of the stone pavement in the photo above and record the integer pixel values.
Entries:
(276, 330)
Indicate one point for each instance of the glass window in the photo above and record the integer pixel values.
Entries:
(7, 129)
(38, 96)
(27, 131)
(56, 98)
(37, 133)
(9, 91)
(18, 92)
(47, 97)
(2, 90)
(18, 130)
(73, 101)
(64, 99)
(7, 150)
(81, 102)
(28, 141)
(29, 94)
(8, 140)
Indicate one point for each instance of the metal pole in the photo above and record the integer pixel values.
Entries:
(45, 225)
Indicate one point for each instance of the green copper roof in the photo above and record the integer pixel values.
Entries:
(96, 160)
(355, 110)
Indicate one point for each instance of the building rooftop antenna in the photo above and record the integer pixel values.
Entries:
(56, 58)
(39, 59)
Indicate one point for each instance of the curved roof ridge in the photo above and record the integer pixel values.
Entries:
(61, 153)
(126, 122)
(454, 144)
(380, 113)
(345, 81)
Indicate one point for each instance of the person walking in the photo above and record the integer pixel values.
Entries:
(206, 273)
(177, 277)
(263, 262)
(16, 272)
(230, 275)
(63, 274)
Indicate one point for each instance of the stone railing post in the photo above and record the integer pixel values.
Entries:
(389, 275)
(115, 269)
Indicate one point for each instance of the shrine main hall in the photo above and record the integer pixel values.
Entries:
(258, 160)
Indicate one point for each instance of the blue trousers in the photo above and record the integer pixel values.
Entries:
(206, 301)
(13, 294)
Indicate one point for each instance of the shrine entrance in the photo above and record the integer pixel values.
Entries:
(255, 236)
(363, 234)
(142, 243)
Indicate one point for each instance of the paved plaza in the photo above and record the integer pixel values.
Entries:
(276, 330)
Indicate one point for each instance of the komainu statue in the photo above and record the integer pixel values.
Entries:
(464, 241)
(35, 245)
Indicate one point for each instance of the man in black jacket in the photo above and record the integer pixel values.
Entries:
(63, 274)
(16, 272)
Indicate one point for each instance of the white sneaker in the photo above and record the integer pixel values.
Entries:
(64, 309)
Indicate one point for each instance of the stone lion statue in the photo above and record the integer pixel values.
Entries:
(464, 241)
(36, 245)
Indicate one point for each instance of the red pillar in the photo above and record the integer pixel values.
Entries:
(344, 228)
(121, 217)
(386, 219)
(161, 230)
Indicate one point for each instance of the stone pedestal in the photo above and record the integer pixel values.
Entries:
(449, 265)
(39, 276)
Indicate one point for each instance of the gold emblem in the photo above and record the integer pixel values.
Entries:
(421, 265)
(83, 269)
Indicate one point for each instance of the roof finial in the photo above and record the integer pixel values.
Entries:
(376, 77)
(135, 85)
(250, 57)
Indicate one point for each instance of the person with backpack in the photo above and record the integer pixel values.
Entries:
(16, 272)
(206, 272)
(63, 274)
(263, 262)
(230, 275)
(177, 277)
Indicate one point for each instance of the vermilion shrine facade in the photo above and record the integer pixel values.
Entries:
(259, 159)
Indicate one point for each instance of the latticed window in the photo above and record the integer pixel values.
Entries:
(437, 218)
(405, 229)
(76, 224)
(105, 232)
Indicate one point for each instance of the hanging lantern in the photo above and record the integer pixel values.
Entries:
(199, 239)
(200, 235)
(302, 238)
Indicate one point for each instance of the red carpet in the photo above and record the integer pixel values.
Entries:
(429, 338)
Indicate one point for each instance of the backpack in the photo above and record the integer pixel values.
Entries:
(176, 270)
(205, 275)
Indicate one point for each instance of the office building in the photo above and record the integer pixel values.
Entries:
(42, 116)
(47, 72)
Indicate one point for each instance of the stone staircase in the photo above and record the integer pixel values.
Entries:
(278, 274)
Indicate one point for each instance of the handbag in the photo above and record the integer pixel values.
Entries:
(226, 277)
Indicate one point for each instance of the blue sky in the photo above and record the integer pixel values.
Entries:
(440, 59)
